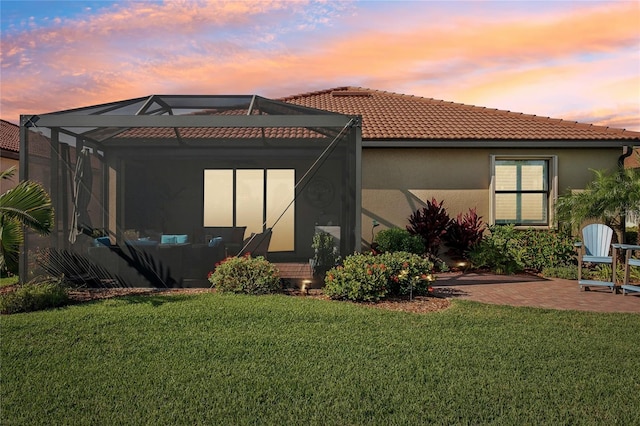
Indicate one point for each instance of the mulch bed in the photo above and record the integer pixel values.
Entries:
(419, 304)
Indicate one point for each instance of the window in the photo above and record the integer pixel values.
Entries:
(523, 190)
(251, 198)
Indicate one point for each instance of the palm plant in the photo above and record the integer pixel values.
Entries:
(25, 205)
(609, 198)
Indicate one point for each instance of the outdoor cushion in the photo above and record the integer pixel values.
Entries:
(215, 242)
(104, 241)
(173, 239)
(168, 239)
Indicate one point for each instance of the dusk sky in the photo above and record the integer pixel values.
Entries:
(576, 60)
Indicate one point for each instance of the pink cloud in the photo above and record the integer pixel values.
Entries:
(588, 53)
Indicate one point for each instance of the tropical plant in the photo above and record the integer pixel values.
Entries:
(27, 204)
(464, 232)
(608, 198)
(430, 223)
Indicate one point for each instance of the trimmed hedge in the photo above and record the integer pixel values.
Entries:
(246, 274)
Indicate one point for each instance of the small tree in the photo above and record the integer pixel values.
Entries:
(28, 204)
(609, 198)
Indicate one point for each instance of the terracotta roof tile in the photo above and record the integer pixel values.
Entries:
(9, 136)
(393, 116)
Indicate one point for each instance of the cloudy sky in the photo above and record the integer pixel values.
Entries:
(577, 60)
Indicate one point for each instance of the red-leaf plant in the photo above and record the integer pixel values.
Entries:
(431, 223)
(463, 233)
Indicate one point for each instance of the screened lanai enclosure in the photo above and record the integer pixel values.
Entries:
(155, 191)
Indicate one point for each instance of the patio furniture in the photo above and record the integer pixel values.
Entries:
(629, 261)
(162, 264)
(595, 248)
(232, 237)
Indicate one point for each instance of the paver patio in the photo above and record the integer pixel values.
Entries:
(531, 290)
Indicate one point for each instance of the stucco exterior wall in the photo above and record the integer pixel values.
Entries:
(6, 163)
(396, 182)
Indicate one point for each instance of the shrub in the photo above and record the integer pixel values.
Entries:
(245, 275)
(369, 277)
(397, 239)
(507, 250)
(546, 249)
(564, 272)
(464, 232)
(500, 251)
(38, 294)
(430, 223)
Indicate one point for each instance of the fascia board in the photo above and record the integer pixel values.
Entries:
(449, 143)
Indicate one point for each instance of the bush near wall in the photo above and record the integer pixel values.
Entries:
(397, 239)
(246, 274)
(507, 250)
(370, 277)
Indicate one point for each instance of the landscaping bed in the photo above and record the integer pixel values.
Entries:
(419, 304)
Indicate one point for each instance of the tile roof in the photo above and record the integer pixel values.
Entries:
(9, 136)
(191, 133)
(393, 116)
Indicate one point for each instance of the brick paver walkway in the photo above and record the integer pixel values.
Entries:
(529, 290)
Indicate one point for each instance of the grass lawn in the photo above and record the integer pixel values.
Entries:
(226, 359)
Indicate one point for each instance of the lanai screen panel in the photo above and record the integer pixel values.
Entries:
(164, 179)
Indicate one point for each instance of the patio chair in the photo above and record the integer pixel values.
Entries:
(630, 261)
(595, 248)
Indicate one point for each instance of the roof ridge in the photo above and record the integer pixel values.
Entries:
(314, 93)
(560, 121)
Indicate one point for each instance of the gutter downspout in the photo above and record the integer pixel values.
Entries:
(628, 151)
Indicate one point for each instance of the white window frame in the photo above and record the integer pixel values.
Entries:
(552, 175)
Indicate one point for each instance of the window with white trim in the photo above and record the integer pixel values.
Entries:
(523, 190)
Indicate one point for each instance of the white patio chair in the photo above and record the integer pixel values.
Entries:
(629, 261)
(595, 248)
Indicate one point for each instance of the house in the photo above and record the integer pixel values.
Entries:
(509, 166)
(143, 187)
(9, 152)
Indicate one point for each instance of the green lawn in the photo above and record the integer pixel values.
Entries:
(225, 359)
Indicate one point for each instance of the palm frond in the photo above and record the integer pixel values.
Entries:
(29, 204)
(11, 237)
(7, 174)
